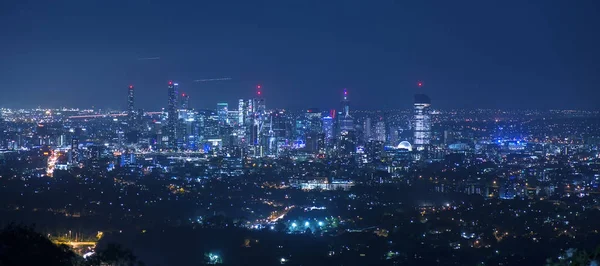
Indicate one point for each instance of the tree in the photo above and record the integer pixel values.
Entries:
(22, 245)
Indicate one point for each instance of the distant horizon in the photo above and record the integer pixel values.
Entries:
(249, 94)
(352, 110)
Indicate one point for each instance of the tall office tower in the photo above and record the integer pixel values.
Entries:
(74, 150)
(367, 129)
(392, 135)
(300, 128)
(281, 130)
(276, 132)
(328, 129)
(346, 122)
(313, 117)
(259, 116)
(271, 145)
(249, 108)
(222, 111)
(131, 114)
(130, 108)
(232, 118)
(248, 122)
(380, 131)
(241, 111)
(314, 142)
(240, 125)
(172, 116)
(348, 143)
(259, 103)
(185, 101)
(187, 130)
(185, 120)
(422, 121)
(208, 122)
(306, 123)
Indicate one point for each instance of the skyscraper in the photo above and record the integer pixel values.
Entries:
(346, 121)
(185, 101)
(422, 121)
(131, 115)
(380, 130)
(281, 126)
(241, 107)
(367, 129)
(328, 129)
(308, 122)
(258, 117)
(172, 116)
(313, 117)
(130, 107)
(222, 112)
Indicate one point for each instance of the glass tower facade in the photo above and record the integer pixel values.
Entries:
(421, 121)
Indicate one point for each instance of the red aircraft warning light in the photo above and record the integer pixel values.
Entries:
(420, 84)
(170, 82)
(131, 86)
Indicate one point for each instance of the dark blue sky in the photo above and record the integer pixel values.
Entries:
(507, 54)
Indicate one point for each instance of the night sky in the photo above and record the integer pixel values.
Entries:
(490, 54)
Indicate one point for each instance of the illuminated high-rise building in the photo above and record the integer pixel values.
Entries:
(241, 111)
(172, 116)
(307, 123)
(190, 129)
(74, 150)
(380, 130)
(421, 121)
(209, 124)
(131, 114)
(130, 107)
(282, 130)
(328, 129)
(346, 122)
(232, 118)
(222, 112)
(367, 129)
(185, 101)
(313, 117)
(347, 143)
(259, 118)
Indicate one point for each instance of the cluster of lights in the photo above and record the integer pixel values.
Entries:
(306, 224)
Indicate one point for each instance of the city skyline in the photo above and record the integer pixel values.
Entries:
(83, 54)
(274, 132)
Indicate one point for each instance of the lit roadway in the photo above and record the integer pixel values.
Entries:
(52, 163)
(76, 244)
(109, 115)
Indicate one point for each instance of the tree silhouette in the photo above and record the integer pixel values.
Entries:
(22, 245)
